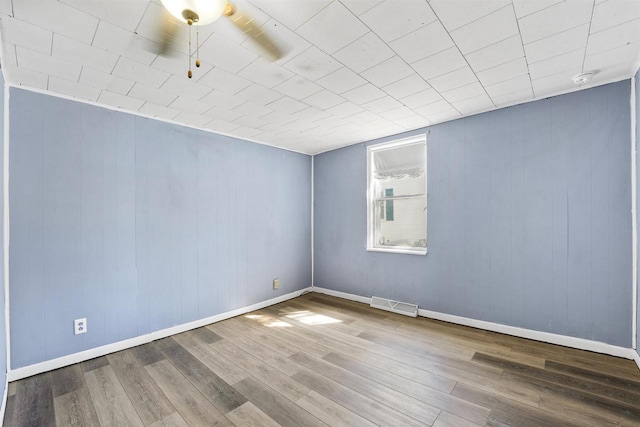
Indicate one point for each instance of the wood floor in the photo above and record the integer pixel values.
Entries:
(318, 360)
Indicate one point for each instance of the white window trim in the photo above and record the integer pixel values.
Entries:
(371, 149)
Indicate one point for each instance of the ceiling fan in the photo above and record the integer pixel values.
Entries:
(205, 12)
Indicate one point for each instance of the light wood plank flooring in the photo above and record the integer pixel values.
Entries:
(317, 361)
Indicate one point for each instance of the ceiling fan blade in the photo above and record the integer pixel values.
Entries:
(165, 35)
(244, 22)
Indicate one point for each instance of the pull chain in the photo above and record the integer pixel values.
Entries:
(197, 43)
(190, 22)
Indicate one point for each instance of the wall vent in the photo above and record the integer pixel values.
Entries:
(395, 306)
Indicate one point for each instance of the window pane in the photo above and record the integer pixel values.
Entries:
(409, 227)
(402, 187)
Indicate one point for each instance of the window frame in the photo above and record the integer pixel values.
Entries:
(371, 197)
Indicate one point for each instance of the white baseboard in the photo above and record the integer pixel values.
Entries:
(4, 400)
(579, 343)
(343, 295)
(49, 365)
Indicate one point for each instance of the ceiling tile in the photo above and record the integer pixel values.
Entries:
(324, 99)
(364, 53)
(455, 14)
(557, 64)
(628, 54)
(617, 36)
(397, 113)
(178, 64)
(392, 19)
(445, 115)
(383, 104)
(290, 43)
(427, 111)
(246, 132)
(46, 64)
(440, 63)
(558, 44)
(527, 7)
(249, 108)
(287, 105)
(224, 81)
(24, 77)
(496, 54)
(136, 71)
(250, 121)
(100, 80)
(298, 87)
(9, 51)
(155, 110)
(192, 119)
(119, 101)
(358, 7)
(220, 113)
(555, 19)
(612, 13)
(333, 28)
(266, 73)
(26, 35)
(509, 86)
(189, 105)
(259, 95)
(465, 92)
(407, 86)
(486, 31)
(330, 122)
(222, 126)
(312, 64)
(311, 113)
(56, 17)
(83, 54)
(233, 29)
(125, 14)
(363, 94)
(223, 100)
(473, 105)
(453, 80)
(341, 80)
(503, 72)
(73, 89)
(557, 82)
(426, 41)
(278, 118)
(146, 93)
(121, 42)
(292, 13)
(345, 109)
(421, 98)
(226, 55)
(387, 72)
(413, 122)
(363, 117)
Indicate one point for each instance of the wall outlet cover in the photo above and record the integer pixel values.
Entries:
(80, 326)
(276, 283)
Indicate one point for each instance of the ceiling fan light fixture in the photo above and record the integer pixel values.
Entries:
(206, 11)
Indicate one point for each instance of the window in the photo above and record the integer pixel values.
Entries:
(397, 196)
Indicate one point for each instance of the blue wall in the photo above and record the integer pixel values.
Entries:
(529, 219)
(3, 339)
(637, 195)
(140, 225)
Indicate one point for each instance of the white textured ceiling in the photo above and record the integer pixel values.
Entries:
(354, 70)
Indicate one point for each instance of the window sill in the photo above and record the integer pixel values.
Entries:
(422, 251)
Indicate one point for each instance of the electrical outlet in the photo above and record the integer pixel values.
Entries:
(80, 326)
(276, 283)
